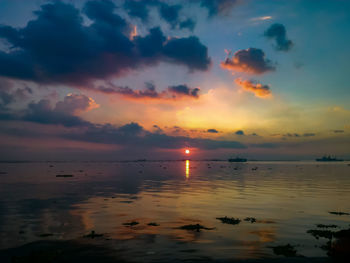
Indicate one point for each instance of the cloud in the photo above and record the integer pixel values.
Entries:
(63, 113)
(5, 98)
(142, 138)
(291, 135)
(188, 23)
(168, 13)
(184, 90)
(75, 104)
(58, 47)
(297, 135)
(137, 9)
(9, 95)
(251, 60)
(150, 92)
(259, 90)
(42, 112)
(278, 33)
(132, 134)
(212, 131)
(261, 18)
(338, 131)
(239, 132)
(309, 134)
(218, 7)
(187, 51)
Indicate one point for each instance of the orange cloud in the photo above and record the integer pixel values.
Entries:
(259, 90)
(251, 60)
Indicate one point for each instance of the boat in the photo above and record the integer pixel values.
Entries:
(237, 160)
(328, 159)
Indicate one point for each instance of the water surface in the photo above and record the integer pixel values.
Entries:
(286, 198)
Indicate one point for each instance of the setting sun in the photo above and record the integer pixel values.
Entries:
(187, 151)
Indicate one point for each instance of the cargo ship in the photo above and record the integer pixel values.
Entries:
(237, 160)
(328, 159)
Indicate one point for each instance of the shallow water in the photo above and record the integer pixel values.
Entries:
(286, 198)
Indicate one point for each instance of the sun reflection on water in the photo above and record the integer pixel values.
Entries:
(187, 169)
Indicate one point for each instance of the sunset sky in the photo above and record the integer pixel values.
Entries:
(121, 80)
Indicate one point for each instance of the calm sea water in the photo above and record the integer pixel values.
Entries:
(286, 198)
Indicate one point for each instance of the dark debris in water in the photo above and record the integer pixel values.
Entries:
(46, 235)
(153, 224)
(326, 226)
(316, 233)
(195, 227)
(132, 223)
(93, 235)
(229, 220)
(339, 213)
(59, 251)
(64, 175)
(286, 250)
(338, 249)
(250, 219)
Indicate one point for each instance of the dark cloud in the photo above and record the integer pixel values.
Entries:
(101, 12)
(218, 7)
(131, 134)
(278, 33)
(143, 138)
(184, 90)
(137, 9)
(148, 92)
(75, 103)
(309, 134)
(63, 113)
(291, 135)
(57, 46)
(170, 13)
(188, 23)
(297, 135)
(239, 132)
(42, 112)
(9, 95)
(212, 131)
(167, 12)
(251, 60)
(5, 98)
(338, 131)
(188, 51)
(131, 129)
(157, 129)
(172, 92)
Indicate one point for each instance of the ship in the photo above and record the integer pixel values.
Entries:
(237, 160)
(328, 159)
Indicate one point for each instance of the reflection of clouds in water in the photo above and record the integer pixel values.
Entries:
(265, 235)
(111, 194)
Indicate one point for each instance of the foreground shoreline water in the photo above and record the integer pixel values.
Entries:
(163, 211)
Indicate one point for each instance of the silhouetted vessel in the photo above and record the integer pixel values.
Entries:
(237, 160)
(328, 159)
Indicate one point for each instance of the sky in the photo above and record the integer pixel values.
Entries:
(125, 80)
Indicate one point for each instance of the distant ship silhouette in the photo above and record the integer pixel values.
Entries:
(237, 160)
(328, 159)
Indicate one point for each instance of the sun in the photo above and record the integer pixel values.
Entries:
(187, 151)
